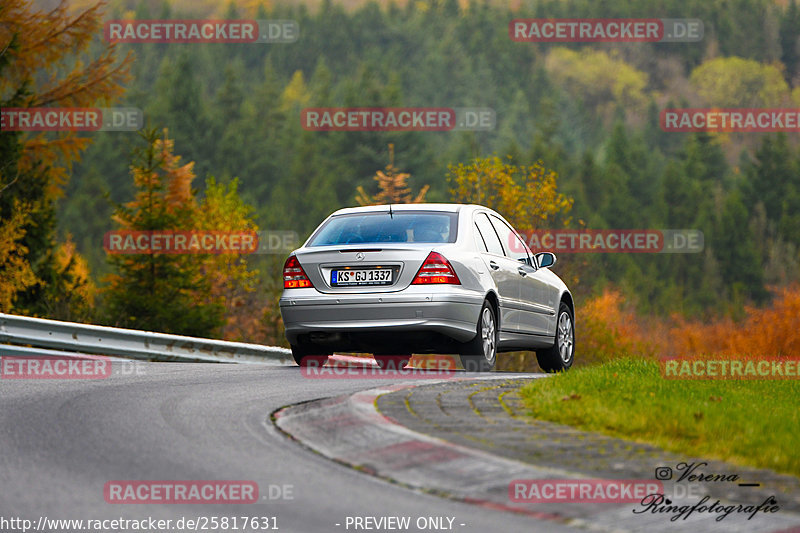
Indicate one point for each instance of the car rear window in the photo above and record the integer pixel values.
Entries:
(405, 226)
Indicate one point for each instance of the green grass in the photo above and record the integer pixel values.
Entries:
(750, 423)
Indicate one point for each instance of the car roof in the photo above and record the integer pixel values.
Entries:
(384, 208)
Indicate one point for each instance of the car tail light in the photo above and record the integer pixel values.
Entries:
(294, 277)
(435, 270)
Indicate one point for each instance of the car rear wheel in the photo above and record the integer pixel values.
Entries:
(392, 362)
(480, 354)
(307, 356)
(559, 357)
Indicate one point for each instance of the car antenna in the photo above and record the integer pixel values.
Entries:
(390, 212)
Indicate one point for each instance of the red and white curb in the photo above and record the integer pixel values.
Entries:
(350, 430)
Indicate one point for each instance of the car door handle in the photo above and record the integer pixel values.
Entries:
(522, 272)
(493, 265)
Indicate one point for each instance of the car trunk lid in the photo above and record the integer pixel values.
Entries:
(363, 268)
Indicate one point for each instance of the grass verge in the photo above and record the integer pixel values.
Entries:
(750, 423)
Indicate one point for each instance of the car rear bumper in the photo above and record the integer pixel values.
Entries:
(450, 313)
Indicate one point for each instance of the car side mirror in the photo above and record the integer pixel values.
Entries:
(545, 259)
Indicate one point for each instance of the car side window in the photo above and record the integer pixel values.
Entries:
(480, 242)
(513, 245)
(489, 236)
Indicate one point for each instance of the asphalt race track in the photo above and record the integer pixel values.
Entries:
(62, 441)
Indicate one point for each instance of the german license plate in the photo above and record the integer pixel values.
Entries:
(373, 276)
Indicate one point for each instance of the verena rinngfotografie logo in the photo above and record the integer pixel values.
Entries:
(604, 241)
(71, 119)
(692, 476)
(201, 31)
(397, 119)
(730, 120)
(606, 30)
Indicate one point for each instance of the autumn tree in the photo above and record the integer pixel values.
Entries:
(190, 294)
(738, 82)
(527, 196)
(44, 62)
(392, 187)
(160, 292)
(603, 81)
(232, 280)
(17, 274)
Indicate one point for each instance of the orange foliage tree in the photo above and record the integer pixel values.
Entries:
(608, 330)
(191, 294)
(392, 187)
(774, 331)
(232, 280)
(44, 65)
(159, 292)
(527, 196)
(44, 62)
(17, 274)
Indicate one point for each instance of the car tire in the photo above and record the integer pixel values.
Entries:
(392, 362)
(305, 356)
(480, 354)
(560, 356)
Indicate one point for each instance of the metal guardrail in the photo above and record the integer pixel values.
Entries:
(12, 350)
(131, 343)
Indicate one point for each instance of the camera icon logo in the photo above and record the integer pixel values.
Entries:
(663, 473)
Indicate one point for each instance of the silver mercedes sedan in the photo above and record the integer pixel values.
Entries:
(393, 280)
